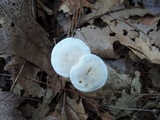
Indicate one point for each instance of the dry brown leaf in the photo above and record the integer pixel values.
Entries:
(106, 116)
(117, 81)
(21, 35)
(96, 40)
(21, 69)
(57, 112)
(134, 36)
(50, 118)
(134, 57)
(8, 104)
(75, 111)
(126, 101)
(73, 6)
(26, 78)
(56, 83)
(101, 7)
(40, 112)
(145, 39)
(37, 113)
(146, 20)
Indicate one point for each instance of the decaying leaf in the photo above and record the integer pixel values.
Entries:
(126, 101)
(57, 112)
(71, 109)
(8, 104)
(112, 30)
(41, 112)
(117, 81)
(56, 84)
(26, 79)
(22, 36)
(71, 7)
(106, 116)
(75, 111)
(96, 40)
(143, 43)
(21, 69)
(50, 118)
(26, 82)
(101, 7)
(101, 40)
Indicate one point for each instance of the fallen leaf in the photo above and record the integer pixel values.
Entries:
(50, 118)
(72, 7)
(21, 35)
(126, 101)
(96, 40)
(21, 69)
(106, 116)
(75, 111)
(101, 41)
(101, 7)
(8, 103)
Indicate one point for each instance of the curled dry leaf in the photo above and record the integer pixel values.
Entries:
(21, 35)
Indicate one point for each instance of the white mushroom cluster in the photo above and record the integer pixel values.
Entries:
(72, 58)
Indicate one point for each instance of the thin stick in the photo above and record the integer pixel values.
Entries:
(131, 109)
(14, 83)
(7, 75)
(39, 81)
(142, 94)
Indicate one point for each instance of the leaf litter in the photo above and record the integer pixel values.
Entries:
(124, 33)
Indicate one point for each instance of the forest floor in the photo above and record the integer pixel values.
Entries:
(124, 33)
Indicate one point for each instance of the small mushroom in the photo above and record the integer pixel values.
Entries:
(89, 74)
(66, 53)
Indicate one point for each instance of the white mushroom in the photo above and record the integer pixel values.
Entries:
(66, 54)
(89, 74)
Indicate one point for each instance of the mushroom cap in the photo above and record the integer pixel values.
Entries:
(89, 74)
(66, 53)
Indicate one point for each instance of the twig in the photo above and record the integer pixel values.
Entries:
(14, 83)
(7, 75)
(34, 8)
(130, 109)
(45, 8)
(143, 94)
(39, 81)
